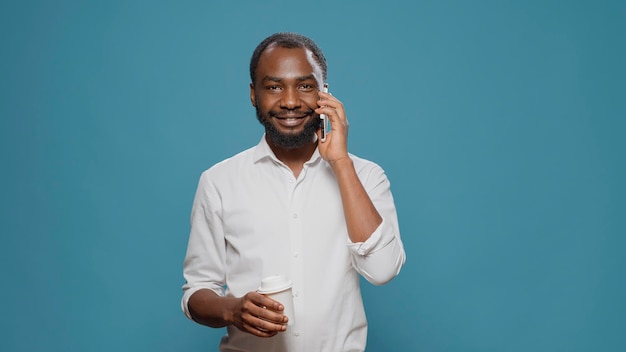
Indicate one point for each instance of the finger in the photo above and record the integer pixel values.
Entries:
(265, 302)
(323, 94)
(332, 108)
(267, 309)
(264, 326)
(259, 331)
(338, 121)
(261, 301)
(329, 100)
(275, 317)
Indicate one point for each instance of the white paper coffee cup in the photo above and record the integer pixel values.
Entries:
(278, 288)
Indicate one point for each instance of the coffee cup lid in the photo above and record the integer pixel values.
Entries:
(273, 284)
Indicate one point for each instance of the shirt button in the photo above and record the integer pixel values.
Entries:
(294, 215)
(297, 333)
(296, 254)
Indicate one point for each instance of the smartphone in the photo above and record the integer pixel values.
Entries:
(324, 123)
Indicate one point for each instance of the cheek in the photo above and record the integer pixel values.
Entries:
(265, 102)
(311, 100)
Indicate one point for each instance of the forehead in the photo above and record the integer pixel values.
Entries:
(282, 62)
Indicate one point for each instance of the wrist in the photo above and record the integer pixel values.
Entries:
(341, 163)
(228, 312)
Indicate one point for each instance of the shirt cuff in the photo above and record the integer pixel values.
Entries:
(187, 295)
(364, 248)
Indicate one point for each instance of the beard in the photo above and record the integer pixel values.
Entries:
(288, 140)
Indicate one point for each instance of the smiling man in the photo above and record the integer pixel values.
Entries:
(288, 115)
(293, 206)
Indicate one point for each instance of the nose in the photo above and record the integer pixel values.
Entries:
(290, 99)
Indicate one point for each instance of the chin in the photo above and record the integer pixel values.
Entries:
(289, 138)
(292, 139)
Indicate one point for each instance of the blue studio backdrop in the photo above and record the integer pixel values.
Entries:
(499, 123)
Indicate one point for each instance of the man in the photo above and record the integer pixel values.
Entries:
(294, 206)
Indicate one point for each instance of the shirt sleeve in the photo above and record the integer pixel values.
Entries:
(380, 258)
(204, 262)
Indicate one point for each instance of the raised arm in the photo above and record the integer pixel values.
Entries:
(362, 218)
(378, 253)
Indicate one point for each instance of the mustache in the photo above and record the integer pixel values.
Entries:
(291, 113)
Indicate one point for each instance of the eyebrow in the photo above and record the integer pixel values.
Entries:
(279, 79)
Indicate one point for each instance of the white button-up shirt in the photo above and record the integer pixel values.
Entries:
(252, 218)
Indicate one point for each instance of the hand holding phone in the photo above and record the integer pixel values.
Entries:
(324, 123)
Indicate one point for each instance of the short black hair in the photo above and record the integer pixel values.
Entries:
(288, 40)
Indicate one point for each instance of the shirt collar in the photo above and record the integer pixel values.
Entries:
(263, 151)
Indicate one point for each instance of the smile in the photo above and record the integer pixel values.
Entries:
(290, 115)
(289, 121)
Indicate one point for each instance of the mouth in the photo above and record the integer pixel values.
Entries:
(291, 119)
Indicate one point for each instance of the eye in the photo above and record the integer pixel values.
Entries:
(306, 87)
(273, 87)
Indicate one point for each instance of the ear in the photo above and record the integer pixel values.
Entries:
(252, 95)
